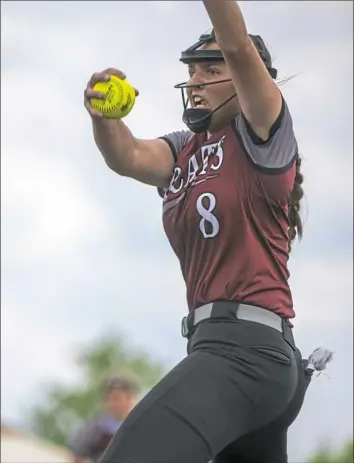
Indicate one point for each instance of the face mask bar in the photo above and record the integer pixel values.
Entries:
(184, 85)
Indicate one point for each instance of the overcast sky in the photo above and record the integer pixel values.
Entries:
(84, 252)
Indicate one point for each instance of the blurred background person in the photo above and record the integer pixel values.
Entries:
(90, 441)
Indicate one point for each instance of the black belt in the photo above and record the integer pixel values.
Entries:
(234, 310)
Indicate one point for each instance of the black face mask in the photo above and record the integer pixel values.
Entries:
(198, 120)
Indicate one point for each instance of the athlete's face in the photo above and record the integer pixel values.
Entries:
(212, 96)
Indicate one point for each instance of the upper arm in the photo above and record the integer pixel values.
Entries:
(151, 163)
(279, 151)
(257, 93)
(153, 160)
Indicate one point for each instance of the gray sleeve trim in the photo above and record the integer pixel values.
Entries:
(279, 151)
(177, 141)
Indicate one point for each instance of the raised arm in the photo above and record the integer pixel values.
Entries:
(259, 97)
(148, 161)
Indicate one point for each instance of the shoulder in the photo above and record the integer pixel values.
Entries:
(177, 141)
(278, 153)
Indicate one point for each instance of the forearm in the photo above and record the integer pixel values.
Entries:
(115, 142)
(258, 95)
(229, 25)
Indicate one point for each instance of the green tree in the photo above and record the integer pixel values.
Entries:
(63, 408)
(325, 455)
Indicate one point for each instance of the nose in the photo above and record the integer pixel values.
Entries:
(196, 79)
(196, 82)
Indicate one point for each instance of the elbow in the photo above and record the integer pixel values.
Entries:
(124, 166)
(118, 168)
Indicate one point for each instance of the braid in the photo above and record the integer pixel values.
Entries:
(295, 225)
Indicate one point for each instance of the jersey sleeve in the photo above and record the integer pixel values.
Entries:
(176, 141)
(279, 151)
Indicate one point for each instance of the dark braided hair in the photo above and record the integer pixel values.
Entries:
(295, 222)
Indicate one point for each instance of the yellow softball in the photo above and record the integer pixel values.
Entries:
(119, 98)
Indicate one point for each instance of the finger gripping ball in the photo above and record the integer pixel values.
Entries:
(119, 98)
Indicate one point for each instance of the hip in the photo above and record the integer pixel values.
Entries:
(262, 362)
(245, 334)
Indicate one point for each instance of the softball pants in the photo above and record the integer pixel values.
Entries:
(231, 399)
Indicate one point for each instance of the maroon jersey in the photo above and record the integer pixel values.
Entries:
(225, 214)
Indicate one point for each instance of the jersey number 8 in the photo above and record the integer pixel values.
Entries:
(209, 224)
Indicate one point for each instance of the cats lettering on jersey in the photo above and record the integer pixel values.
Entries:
(207, 161)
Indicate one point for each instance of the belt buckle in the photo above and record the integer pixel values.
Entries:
(184, 327)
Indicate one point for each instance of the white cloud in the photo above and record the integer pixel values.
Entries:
(327, 181)
(322, 289)
(57, 209)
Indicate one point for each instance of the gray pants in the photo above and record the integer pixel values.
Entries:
(231, 399)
